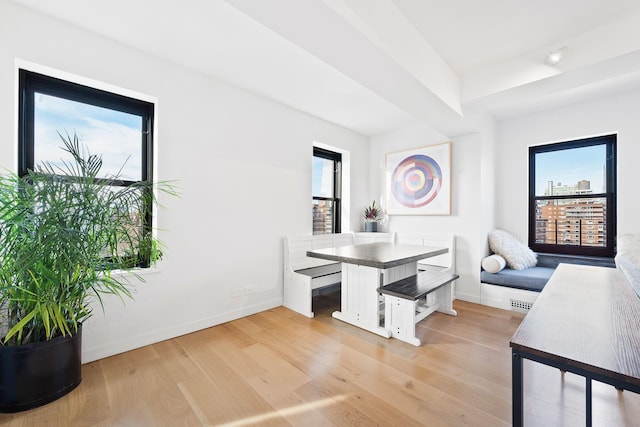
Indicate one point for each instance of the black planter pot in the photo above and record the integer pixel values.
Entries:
(35, 374)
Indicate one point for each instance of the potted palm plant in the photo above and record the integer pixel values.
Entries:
(65, 238)
(371, 215)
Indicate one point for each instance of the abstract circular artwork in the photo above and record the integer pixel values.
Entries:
(416, 181)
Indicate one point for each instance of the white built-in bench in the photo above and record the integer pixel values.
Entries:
(443, 262)
(373, 237)
(517, 290)
(409, 300)
(304, 276)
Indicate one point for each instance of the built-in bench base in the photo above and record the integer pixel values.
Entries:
(518, 289)
(409, 300)
(507, 298)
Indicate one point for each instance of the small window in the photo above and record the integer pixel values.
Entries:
(116, 127)
(572, 197)
(327, 181)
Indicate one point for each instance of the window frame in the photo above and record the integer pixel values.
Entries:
(337, 187)
(610, 142)
(31, 82)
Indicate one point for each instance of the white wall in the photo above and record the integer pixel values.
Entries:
(617, 113)
(472, 195)
(243, 165)
(490, 173)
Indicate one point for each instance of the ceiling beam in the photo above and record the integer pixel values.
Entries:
(317, 28)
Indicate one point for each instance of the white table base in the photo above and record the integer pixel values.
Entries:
(360, 300)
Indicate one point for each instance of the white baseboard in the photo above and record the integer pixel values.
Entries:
(468, 297)
(133, 342)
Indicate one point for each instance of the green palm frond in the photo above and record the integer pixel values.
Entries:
(63, 230)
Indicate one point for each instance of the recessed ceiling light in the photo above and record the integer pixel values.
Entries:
(555, 56)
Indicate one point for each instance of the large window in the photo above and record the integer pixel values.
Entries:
(327, 179)
(116, 127)
(572, 197)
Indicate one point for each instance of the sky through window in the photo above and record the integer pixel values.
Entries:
(114, 135)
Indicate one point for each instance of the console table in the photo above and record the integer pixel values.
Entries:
(585, 321)
(367, 267)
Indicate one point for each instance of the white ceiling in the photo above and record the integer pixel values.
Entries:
(375, 65)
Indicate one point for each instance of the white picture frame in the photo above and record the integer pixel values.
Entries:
(418, 181)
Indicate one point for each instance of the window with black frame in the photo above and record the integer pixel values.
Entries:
(572, 197)
(117, 128)
(327, 181)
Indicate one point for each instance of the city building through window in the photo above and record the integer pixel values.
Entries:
(572, 197)
(327, 182)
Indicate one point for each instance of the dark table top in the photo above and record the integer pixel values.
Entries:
(587, 317)
(377, 255)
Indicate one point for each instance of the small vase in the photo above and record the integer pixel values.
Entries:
(371, 226)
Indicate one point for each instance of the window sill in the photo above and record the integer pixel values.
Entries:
(552, 260)
(137, 272)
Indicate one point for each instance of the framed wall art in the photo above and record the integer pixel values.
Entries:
(419, 181)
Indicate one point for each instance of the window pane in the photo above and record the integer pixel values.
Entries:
(322, 177)
(322, 216)
(578, 222)
(571, 171)
(115, 135)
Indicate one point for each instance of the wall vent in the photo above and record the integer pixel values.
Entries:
(523, 306)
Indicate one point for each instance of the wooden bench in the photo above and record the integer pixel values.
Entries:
(407, 301)
(373, 237)
(304, 275)
(444, 262)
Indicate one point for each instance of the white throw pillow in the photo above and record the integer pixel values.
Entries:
(517, 254)
(493, 263)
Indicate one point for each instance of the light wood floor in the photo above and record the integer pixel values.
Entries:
(279, 368)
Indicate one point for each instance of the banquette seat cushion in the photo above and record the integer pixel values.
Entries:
(531, 279)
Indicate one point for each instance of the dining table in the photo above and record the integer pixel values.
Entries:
(365, 269)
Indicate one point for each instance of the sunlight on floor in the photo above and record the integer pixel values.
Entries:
(257, 419)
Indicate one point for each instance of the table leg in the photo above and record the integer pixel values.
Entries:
(444, 297)
(517, 390)
(360, 304)
(588, 412)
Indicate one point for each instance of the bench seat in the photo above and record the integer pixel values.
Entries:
(322, 270)
(304, 276)
(322, 276)
(518, 289)
(416, 286)
(407, 301)
(534, 278)
(529, 279)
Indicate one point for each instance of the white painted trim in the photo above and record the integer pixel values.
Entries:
(346, 182)
(86, 81)
(133, 342)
